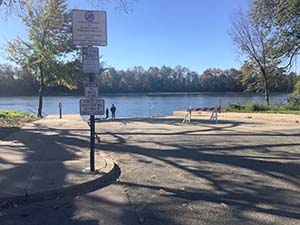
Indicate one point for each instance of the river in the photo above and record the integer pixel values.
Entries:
(137, 105)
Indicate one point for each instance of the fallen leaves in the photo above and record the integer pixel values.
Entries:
(187, 205)
(162, 191)
(224, 205)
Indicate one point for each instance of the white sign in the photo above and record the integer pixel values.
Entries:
(93, 106)
(90, 60)
(89, 28)
(91, 89)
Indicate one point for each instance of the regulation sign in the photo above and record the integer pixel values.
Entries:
(89, 28)
(91, 89)
(90, 60)
(92, 106)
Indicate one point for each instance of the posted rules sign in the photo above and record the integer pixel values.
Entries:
(92, 106)
(89, 28)
(91, 89)
(90, 60)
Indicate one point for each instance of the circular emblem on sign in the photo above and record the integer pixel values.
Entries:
(89, 16)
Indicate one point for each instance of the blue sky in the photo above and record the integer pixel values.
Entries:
(192, 33)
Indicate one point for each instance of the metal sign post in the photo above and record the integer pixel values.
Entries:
(92, 125)
(89, 28)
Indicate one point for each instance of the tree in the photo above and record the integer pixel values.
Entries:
(48, 41)
(296, 91)
(256, 43)
(19, 6)
(283, 17)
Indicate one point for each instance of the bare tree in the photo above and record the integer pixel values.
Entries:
(254, 42)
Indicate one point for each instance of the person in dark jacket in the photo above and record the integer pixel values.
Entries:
(113, 111)
(107, 113)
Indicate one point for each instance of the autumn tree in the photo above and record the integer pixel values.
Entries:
(48, 43)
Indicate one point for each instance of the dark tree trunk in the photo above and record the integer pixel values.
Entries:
(267, 91)
(41, 89)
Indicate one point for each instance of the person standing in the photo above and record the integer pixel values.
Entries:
(107, 113)
(113, 111)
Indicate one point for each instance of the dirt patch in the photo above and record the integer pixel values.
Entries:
(286, 118)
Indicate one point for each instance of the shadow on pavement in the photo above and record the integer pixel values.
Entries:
(246, 171)
(22, 163)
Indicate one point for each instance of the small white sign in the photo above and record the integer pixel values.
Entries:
(90, 60)
(89, 28)
(91, 89)
(93, 106)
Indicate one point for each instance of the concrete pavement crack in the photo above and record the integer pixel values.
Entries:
(34, 170)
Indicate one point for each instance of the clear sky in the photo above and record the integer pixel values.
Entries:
(191, 33)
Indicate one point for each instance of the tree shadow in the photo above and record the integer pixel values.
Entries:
(5, 131)
(246, 175)
(26, 160)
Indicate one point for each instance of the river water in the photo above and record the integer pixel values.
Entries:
(137, 105)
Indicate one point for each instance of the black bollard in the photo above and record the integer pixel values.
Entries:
(60, 110)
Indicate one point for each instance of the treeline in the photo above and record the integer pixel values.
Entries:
(17, 82)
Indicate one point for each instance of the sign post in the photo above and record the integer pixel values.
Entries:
(89, 29)
(92, 125)
(90, 60)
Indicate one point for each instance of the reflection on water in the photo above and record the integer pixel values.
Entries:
(137, 105)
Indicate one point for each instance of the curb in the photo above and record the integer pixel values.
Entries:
(112, 172)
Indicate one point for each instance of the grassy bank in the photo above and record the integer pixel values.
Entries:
(11, 121)
(252, 107)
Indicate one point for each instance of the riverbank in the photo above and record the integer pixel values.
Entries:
(11, 121)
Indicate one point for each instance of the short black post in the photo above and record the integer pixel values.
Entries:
(60, 110)
(92, 126)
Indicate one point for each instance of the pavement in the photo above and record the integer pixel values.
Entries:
(49, 159)
(238, 171)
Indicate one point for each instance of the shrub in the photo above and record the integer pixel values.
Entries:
(233, 107)
(260, 107)
(293, 99)
(255, 107)
(13, 118)
(290, 107)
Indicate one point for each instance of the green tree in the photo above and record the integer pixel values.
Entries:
(283, 18)
(48, 42)
(296, 91)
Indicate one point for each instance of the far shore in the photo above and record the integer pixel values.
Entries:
(149, 93)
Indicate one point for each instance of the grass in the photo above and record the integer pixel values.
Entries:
(11, 121)
(251, 107)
